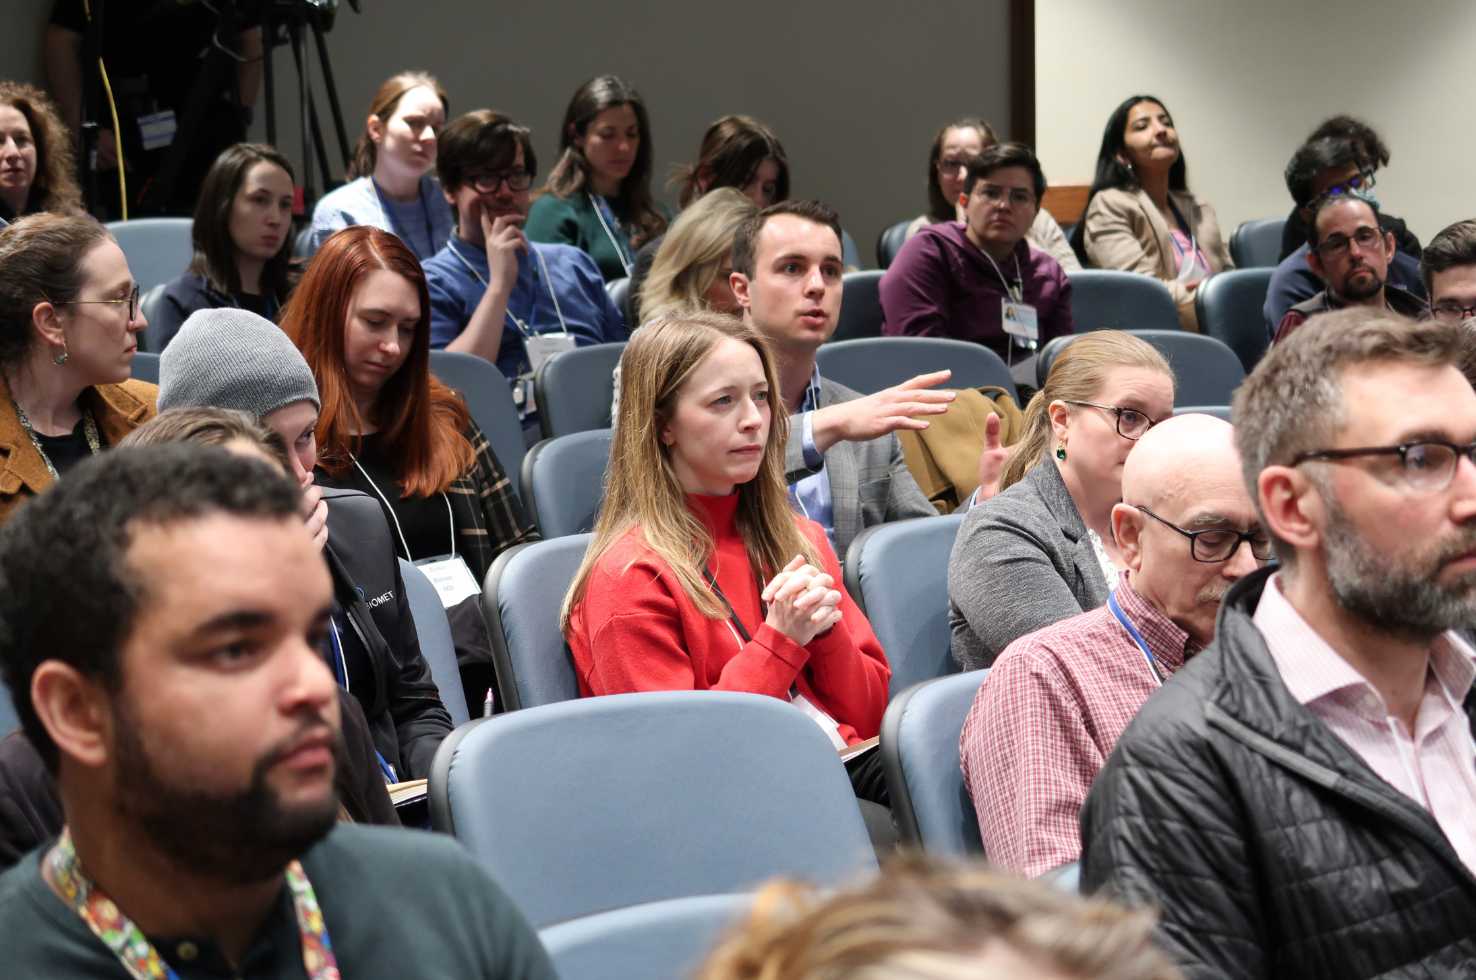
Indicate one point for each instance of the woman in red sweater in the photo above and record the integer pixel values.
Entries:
(700, 576)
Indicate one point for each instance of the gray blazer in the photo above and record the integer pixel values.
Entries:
(869, 481)
(1021, 561)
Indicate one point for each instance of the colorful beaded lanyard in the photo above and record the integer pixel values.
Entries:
(138, 955)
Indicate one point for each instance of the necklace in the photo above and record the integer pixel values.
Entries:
(122, 936)
(89, 430)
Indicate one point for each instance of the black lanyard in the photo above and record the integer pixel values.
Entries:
(732, 613)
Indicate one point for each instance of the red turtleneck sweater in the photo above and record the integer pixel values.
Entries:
(637, 630)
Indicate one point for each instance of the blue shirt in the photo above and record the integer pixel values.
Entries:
(811, 494)
(420, 224)
(457, 278)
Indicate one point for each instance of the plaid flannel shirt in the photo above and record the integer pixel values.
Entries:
(489, 517)
(1046, 718)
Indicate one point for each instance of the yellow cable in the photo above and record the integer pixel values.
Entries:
(117, 130)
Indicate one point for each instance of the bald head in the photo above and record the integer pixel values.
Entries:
(1179, 458)
(1186, 471)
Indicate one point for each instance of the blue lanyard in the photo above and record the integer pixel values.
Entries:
(1137, 637)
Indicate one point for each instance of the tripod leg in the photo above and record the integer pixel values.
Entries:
(326, 64)
(268, 77)
(318, 142)
(304, 105)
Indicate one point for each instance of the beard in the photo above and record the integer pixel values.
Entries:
(241, 837)
(1399, 595)
(1365, 287)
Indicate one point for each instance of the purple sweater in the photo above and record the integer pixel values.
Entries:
(941, 285)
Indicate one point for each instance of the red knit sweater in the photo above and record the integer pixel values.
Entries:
(636, 630)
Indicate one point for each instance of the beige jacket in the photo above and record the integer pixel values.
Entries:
(1125, 230)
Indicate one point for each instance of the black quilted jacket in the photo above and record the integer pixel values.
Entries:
(1268, 846)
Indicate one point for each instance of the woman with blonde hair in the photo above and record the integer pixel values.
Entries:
(1042, 549)
(693, 263)
(700, 576)
(925, 920)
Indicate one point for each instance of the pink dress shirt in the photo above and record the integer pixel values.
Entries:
(1435, 765)
(1045, 719)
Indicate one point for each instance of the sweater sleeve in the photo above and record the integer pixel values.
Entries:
(551, 219)
(639, 642)
(912, 291)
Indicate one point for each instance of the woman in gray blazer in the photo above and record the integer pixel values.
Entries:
(1042, 549)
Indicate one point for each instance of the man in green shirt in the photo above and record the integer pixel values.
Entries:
(165, 610)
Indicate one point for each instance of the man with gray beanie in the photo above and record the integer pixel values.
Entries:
(230, 358)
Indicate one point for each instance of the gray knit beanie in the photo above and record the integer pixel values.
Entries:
(230, 358)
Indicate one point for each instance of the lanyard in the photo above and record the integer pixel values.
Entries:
(89, 430)
(1137, 637)
(134, 951)
(735, 625)
(340, 662)
(522, 326)
(600, 207)
(389, 217)
(450, 520)
(1015, 292)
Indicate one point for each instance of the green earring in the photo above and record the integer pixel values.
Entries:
(1061, 451)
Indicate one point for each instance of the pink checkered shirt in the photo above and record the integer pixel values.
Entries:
(1436, 765)
(1046, 718)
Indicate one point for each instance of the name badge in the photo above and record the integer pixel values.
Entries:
(1019, 320)
(452, 579)
(816, 714)
(541, 347)
(157, 129)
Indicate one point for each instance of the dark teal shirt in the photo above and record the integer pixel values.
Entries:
(397, 903)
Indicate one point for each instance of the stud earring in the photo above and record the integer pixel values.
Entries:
(1061, 451)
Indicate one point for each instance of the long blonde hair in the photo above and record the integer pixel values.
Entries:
(926, 920)
(641, 487)
(1078, 374)
(692, 252)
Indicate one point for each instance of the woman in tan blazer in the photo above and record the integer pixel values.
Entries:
(1140, 216)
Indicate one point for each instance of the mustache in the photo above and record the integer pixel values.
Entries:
(311, 728)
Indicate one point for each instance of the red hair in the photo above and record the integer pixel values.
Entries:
(422, 421)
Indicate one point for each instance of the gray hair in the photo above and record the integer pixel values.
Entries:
(1293, 401)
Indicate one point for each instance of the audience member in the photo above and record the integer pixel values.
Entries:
(490, 278)
(700, 576)
(1350, 252)
(1371, 155)
(158, 59)
(69, 325)
(1298, 801)
(165, 609)
(948, 163)
(737, 152)
(694, 262)
(36, 166)
(1326, 168)
(1141, 216)
(235, 359)
(390, 181)
(361, 317)
(928, 920)
(598, 195)
(843, 462)
(242, 238)
(1043, 550)
(1448, 265)
(1053, 704)
(981, 280)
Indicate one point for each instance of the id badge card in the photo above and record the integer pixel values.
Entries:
(1019, 320)
(157, 129)
(541, 347)
(454, 582)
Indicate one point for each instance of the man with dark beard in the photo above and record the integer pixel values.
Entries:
(1351, 254)
(163, 610)
(1056, 700)
(1299, 800)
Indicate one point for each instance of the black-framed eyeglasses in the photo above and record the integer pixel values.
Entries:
(1216, 544)
(516, 180)
(131, 300)
(1452, 311)
(1427, 466)
(1131, 423)
(1366, 238)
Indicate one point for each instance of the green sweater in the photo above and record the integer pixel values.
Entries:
(397, 903)
(574, 221)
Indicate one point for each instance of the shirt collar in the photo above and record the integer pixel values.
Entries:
(1169, 643)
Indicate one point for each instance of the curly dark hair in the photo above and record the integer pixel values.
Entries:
(55, 186)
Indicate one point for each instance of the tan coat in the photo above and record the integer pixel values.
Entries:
(1125, 230)
(118, 409)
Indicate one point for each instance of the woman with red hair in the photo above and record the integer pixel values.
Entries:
(361, 317)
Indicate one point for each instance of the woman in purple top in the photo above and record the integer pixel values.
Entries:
(979, 279)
